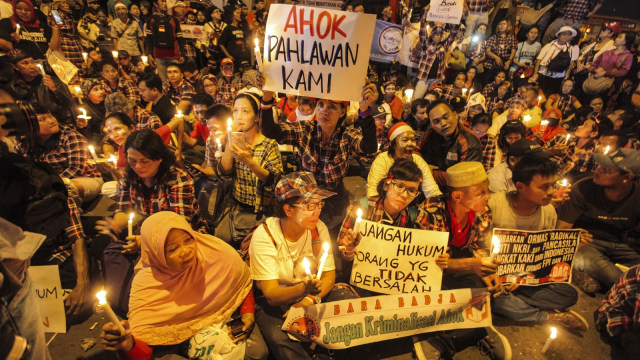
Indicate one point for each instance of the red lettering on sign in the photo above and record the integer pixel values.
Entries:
(322, 25)
(335, 27)
(427, 299)
(400, 302)
(327, 16)
(336, 309)
(378, 307)
(452, 300)
(363, 306)
(304, 22)
(350, 308)
(294, 24)
(47, 321)
(414, 302)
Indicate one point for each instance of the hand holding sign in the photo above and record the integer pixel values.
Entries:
(369, 96)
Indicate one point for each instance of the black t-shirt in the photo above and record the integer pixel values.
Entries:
(588, 208)
(233, 40)
(165, 109)
(33, 40)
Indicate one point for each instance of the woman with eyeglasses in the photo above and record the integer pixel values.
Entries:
(480, 124)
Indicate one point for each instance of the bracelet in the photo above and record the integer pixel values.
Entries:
(314, 299)
(365, 113)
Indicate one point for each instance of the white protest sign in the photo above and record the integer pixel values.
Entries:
(192, 31)
(394, 260)
(347, 323)
(411, 34)
(316, 52)
(447, 11)
(46, 284)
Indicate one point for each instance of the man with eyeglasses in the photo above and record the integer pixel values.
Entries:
(447, 143)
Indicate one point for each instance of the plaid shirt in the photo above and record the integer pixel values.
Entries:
(376, 213)
(564, 103)
(490, 89)
(438, 219)
(501, 46)
(127, 87)
(382, 137)
(479, 6)
(145, 119)
(494, 104)
(184, 91)
(578, 9)
(210, 153)
(431, 51)
(72, 233)
(489, 149)
(250, 190)
(175, 194)
(449, 92)
(68, 158)
(227, 91)
(620, 310)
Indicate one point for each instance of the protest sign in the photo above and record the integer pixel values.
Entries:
(50, 295)
(192, 31)
(536, 257)
(409, 38)
(328, 4)
(315, 52)
(447, 11)
(387, 42)
(347, 323)
(394, 260)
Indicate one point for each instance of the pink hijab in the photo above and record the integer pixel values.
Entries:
(170, 306)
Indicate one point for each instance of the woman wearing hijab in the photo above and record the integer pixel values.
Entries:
(26, 32)
(184, 282)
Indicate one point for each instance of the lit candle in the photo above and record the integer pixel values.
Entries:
(553, 335)
(78, 94)
(130, 224)
(496, 248)
(102, 301)
(543, 125)
(18, 28)
(409, 94)
(306, 264)
(113, 159)
(522, 76)
(145, 60)
(539, 100)
(179, 114)
(115, 54)
(606, 150)
(41, 69)
(563, 183)
(85, 56)
(229, 129)
(256, 50)
(470, 91)
(218, 147)
(566, 141)
(325, 254)
(356, 227)
(92, 150)
(464, 92)
(527, 118)
(379, 146)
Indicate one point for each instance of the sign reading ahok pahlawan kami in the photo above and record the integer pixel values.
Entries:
(317, 52)
(394, 260)
(447, 11)
(536, 257)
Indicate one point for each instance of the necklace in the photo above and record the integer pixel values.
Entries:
(286, 243)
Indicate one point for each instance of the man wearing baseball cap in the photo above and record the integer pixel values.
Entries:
(607, 205)
(500, 175)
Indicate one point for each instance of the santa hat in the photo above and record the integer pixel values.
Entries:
(398, 129)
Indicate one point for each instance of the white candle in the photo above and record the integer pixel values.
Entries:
(496, 248)
(543, 125)
(606, 150)
(356, 227)
(113, 159)
(218, 148)
(130, 224)
(85, 56)
(464, 92)
(306, 264)
(115, 54)
(527, 118)
(145, 60)
(102, 301)
(566, 141)
(553, 335)
(470, 92)
(41, 69)
(92, 150)
(179, 114)
(409, 94)
(18, 28)
(325, 254)
(256, 50)
(229, 129)
(539, 100)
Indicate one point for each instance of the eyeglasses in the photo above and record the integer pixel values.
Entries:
(310, 206)
(401, 188)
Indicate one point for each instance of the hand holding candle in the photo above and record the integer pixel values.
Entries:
(218, 152)
(552, 336)
(325, 254)
(41, 68)
(306, 264)
(543, 125)
(145, 60)
(356, 227)
(102, 301)
(258, 55)
(496, 248)
(130, 225)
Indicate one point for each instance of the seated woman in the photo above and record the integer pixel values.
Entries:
(278, 251)
(480, 124)
(151, 184)
(185, 282)
(564, 101)
(66, 151)
(403, 146)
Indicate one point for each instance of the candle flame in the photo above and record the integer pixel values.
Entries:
(564, 182)
(606, 150)
(539, 98)
(554, 333)
(85, 56)
(464, 91)
(84, 112)
(229, 121)
(408, 93)
(179, 114)
(91, 148)
(77, 89)
(145, 59)
(257, 43)
(130, 216)
(325, 246)
(544, 122)
(113, 159)
(218, 141)
(115, 54)
(527, 117)
(102, 297)
(568, 137)
(359, 215)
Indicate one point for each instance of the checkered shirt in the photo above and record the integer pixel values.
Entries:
(250, 190)
(449, 92)
(438, 219)
(494, 104)
(227, 91)
(127, 87)
(184, 91)
(489, 149)
(189, 50)
(501, 46)
(578, 9)
(479, 6)
(210, 153)
(69, 39)
(620, 310)
(68, 158)
(72, 233)
(145, 119)
(564, 103)
(431, 51)
(175, 194)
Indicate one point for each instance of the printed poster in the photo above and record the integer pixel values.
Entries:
(387, 42)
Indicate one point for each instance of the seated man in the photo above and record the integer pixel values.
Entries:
(112, 82)
(608, 206)
(529, 208)
(177, 88)
(157, 102)
(500, 177)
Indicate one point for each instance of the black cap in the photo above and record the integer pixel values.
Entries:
(524, 147)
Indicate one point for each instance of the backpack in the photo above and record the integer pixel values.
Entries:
(163, 28)
(117, 270)
(33, 196)
(244, 246)
(560, 62)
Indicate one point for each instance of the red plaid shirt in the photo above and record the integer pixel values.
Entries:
(68, 158)
(578, 9)
(479, 6)
(127, 87)
(489, 149)
(494, 104)
(72, 233)
(449, 92)
(227, 90)
(184, 91)
(145, 119)
(501, 46)
(620, 310)
(431, 51)
(439, 219)
(176, 194)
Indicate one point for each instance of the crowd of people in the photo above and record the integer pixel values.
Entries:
(499, 124)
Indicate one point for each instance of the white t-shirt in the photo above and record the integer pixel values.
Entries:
(544, 218)
(500, 178)
(550, 51)
(283, 262)
(380, 168)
